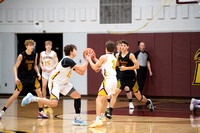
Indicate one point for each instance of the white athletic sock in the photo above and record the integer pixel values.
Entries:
(77, 116)
(198, 106)
(102, 114)
(35, 99)
(98, 118)
(198, 101)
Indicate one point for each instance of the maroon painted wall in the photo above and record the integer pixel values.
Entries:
(171, 56)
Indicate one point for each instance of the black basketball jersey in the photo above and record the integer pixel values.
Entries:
(27, 65)
(125, 61)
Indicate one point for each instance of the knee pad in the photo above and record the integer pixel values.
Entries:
(127, 89)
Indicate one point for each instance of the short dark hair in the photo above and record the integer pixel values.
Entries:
(118, 42)
(69, 48)
(125, 42)
(139, 42)
(110, 45)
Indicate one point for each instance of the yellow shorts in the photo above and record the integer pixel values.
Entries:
(20, 85)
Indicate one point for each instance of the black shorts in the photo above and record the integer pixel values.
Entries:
(141, 77)
(29, 82)
(132, 84)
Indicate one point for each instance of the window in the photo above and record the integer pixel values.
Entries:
(115, 11)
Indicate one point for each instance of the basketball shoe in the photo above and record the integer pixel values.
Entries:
(79, 122)
(27, 99)
(1, 114)
(96, 124)
(150, 105)
(42, 115)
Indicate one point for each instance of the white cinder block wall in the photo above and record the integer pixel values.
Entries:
(76, 18)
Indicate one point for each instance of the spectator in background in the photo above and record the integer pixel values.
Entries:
(142, 57)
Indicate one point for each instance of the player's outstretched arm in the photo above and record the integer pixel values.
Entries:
(81, 69)
(134, 60)
(95, 59)
(18, 62)
(97, 64)
(36, 67)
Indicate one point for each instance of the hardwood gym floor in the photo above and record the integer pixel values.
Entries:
(169, 116)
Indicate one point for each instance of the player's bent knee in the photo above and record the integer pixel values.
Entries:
(54, 103)
(115, 95)
(78, 96)
(127, 89)
(75, 95)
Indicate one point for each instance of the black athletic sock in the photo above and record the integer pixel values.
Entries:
(40, 109)
(77, 105)
(148, 102)
(109, 100)
(4, 108)
(111, 109)
(130, 100)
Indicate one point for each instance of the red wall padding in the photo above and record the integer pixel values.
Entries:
(163, 64)
(171, 56)
(96, 42)
(195, 45)
(181, 64)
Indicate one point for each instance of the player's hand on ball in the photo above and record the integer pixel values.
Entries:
(87, 57)
(122, 68)
(17, 81)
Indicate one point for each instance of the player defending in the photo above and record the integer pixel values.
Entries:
(127, 64)
(107, 62)
(128, 92)
(58, 83)
(26, 73)
(48, 62)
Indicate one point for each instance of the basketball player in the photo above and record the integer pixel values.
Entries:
(48, 62)
(127, 64)
(142, 57)
(107, 63)
(26, 73)
(128, 92)
(59, 83)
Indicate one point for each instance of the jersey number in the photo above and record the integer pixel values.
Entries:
(47, 63)
(29, 66)
(70, 73)
(114, 64)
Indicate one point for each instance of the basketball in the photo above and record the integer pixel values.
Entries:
(89, 51)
